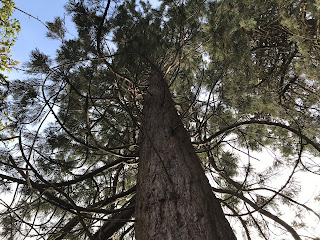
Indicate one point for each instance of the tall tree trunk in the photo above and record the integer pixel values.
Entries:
(174, 197)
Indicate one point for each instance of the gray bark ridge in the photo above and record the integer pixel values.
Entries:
(174, 197)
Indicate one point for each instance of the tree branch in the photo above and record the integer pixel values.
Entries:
(261, 122)
(262, 211)
(119, 220)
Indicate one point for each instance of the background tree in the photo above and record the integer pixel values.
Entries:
(9, 29)
(244, 79)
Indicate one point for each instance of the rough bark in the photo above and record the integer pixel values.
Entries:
(174, 197)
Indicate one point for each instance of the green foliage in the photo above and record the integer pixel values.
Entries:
(9, 28)
(245, 79)
(56, 28)
(38, 63)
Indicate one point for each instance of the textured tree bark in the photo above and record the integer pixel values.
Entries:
(174, 197)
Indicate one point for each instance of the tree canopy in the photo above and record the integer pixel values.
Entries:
(9, 29)
(244, 77)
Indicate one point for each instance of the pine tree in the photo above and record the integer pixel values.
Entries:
(152, 123)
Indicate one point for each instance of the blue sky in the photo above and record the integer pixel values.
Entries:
(33, 35)
(33, 32)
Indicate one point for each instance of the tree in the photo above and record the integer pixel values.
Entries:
(153, 118)
(9, 29)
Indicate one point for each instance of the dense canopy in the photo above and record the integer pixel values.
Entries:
(244, 77)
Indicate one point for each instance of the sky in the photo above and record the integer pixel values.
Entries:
(33, 32)
(33, 35)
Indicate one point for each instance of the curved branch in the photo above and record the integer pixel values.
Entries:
(70, 182)
(107, 150)
(116, 222)
(262, 211)
(286, 197)
(75, 220)
(93, 173)
(243, 222)
(261, 122)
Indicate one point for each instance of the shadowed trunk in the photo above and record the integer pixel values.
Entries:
(174, 197)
